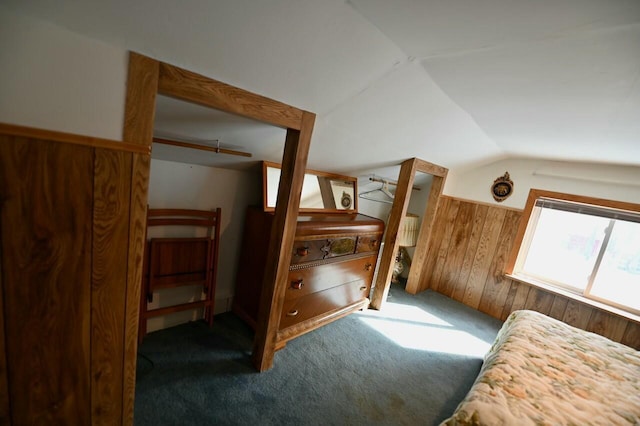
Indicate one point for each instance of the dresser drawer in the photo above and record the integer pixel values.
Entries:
(312, 305)
(312, 278)
(368, 243)
(326, 248)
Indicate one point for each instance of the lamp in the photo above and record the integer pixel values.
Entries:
(407, 237)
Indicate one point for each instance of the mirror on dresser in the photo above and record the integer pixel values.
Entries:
(321, 192)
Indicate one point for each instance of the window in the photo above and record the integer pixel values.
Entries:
(583, 245)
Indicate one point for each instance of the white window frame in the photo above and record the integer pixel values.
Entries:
(608, 208)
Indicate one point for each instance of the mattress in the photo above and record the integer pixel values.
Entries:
(541, 371)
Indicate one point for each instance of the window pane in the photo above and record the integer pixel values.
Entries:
(618, 278)
(565, 247)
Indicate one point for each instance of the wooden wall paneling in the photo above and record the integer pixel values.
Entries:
(632, 335)
(458, 244)
(447, 224)
(516, 298)
(46, 265)
(480, 282)
(472, 245)
(108, 288)
(5, 403)
(142, 87)
(521, 296)
(398, 211)
(511, 294)
(608, 325)
(202, 90)
(577, 314)
(484, 256)
(539, 300)
(283, 229)
(558, 306)
(497, 286)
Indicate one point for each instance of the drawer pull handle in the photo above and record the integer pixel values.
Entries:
(302, 251)
(292, 313)
(297, 285)
(374, 243)
(368, 267)
(363, 288)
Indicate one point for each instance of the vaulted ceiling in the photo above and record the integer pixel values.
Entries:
(455, 82)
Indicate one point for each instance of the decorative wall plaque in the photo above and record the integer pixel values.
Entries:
(346, 200)
(502, 187)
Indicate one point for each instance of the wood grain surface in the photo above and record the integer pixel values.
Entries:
(5, 403)
(427, 230)
(108, 287)
(478, 278)
(283, 231)
(46, 192)
(190, 86)
(142, 89)
(54, 136)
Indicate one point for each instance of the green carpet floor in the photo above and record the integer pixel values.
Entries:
(409, 364)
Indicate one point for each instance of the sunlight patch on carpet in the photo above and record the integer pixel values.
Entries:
(413, 328)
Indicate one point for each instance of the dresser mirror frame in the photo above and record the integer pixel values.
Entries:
(321, 192)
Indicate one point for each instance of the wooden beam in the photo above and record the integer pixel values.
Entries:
(430, 168)
(398, 211)
(142, 87)
(189, 86)
(140, 104)
(283, 230)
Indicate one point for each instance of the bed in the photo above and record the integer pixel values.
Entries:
(541, 371)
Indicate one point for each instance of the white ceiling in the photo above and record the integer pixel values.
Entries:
(455, 82)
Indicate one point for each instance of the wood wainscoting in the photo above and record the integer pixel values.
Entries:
(68, 208)
(466, 258)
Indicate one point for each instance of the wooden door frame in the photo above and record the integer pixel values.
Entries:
(398, 211)
(147, 78)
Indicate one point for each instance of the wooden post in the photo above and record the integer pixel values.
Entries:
(142, 87)
(398, 211)
(282, 233)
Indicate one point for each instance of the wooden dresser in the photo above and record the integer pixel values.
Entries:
(330, 274)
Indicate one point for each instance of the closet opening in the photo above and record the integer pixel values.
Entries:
(202, 159)
(148, 80)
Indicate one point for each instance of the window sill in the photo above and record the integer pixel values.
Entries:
(594, 303)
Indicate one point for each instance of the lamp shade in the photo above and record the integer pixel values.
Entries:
(408, 233)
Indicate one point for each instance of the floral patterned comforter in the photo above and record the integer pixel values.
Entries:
(541, 371)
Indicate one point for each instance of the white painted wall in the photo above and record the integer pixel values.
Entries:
(179, 185)
(620, 183)
(54, 79)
